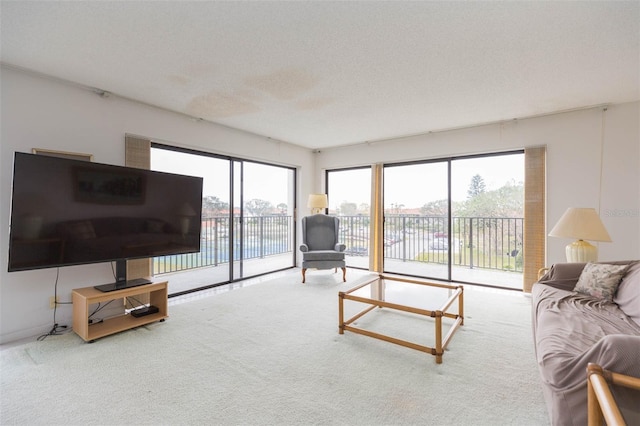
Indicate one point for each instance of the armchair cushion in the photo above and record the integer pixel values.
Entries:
(323, 255)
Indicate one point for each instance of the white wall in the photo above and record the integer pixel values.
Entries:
(46, 114)
(577, 147)
(42, 113)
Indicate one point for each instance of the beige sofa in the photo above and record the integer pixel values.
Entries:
(575, 324)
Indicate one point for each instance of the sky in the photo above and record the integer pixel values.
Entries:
(259, 179)
(408, 185)
(415, 185)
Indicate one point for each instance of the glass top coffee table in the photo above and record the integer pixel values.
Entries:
(418, 298)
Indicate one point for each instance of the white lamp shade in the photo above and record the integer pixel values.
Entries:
(317, 202)
(583, 224)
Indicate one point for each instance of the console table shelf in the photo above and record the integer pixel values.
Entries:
(84, 297)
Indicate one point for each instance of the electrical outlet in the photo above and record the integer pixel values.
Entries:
(53, 301)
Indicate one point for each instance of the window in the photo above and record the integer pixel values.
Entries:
(247, 219)
(456, 219)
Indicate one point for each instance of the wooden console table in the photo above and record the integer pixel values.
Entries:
(84, 297)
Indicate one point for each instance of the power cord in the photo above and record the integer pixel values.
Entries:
(56, 329)
(140, 304)
(98, 309)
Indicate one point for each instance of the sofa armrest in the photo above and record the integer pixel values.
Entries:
(601, 403)
(541, 272)
(563, 275)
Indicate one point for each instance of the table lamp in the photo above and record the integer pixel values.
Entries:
(583, 224)
(317, 203)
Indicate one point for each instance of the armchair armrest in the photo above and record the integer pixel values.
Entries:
(304, 247)
(340, 247)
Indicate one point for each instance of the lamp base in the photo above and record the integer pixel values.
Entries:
(581, 252)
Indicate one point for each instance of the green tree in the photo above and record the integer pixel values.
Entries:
(257, 207)
(510, 200)
(348, 209)
(435, 208)
(506, 201)
(212, 205)
(476, 187)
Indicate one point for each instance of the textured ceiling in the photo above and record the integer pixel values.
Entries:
(321, 74)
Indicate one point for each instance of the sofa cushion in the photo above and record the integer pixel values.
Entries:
(628, 295)
(600, 280)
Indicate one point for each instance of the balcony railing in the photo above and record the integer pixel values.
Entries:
(261, 236)
(475, 242)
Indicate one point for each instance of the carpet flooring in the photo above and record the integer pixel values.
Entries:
(271, 354)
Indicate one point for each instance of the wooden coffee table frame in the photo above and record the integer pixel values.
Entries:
(440, 342)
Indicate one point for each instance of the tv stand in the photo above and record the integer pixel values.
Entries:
(119, 285)
(84, 297)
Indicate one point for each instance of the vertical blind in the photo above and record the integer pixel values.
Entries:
(534, 214)
(138, 154)
(376, 228)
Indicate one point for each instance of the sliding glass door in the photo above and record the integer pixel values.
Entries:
(459, 219)
(247, 219)
(488, 219)
(263, 214)
(349, 196)
(416, 225)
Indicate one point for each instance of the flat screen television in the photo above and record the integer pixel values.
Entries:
(72, 212)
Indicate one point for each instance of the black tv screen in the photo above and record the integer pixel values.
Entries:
(72, 212)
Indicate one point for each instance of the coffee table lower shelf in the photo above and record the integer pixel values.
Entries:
(378, 301)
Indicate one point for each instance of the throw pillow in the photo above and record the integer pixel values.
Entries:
(600, 280)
